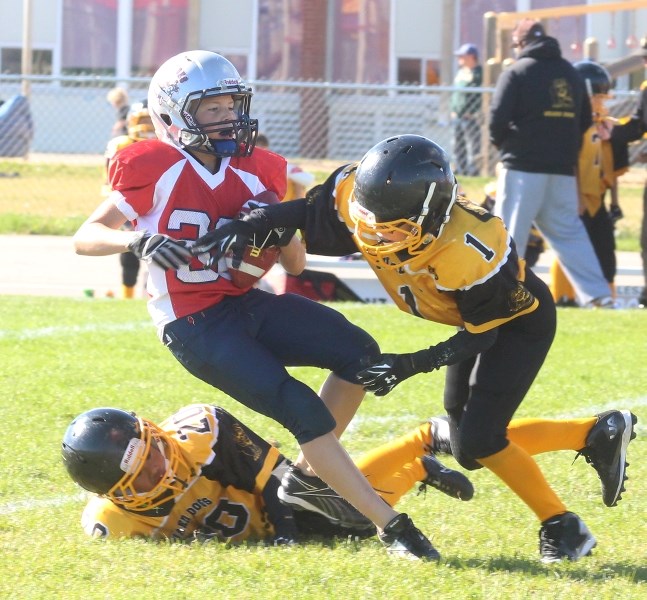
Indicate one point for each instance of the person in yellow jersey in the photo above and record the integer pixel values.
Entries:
(595, 176)
(445, 259)
(139, 127)
(204, 474)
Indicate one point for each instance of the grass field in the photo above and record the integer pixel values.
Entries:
(63, 356)
(52, 198)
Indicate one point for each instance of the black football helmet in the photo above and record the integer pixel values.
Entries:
(105, 449)
(181, 84)
(403, 193)
(597, 78)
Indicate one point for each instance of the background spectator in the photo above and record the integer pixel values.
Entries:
(466, 111)
(539, 113)
(118, 98)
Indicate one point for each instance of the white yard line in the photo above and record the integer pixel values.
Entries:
(59, 331)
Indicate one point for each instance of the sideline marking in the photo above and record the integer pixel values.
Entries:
(33, 334)
(20, 505)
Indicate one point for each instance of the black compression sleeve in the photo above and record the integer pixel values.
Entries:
(457, 348)
(290, 214)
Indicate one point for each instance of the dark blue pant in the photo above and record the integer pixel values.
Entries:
(243, 345)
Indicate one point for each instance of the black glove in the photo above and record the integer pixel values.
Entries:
(161, 249)
(280, 236)
(234, 236)
(615, 213)
(264, 237)
(392, 369)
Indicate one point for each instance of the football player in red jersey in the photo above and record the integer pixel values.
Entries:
(194, 178)
(447, 260)
(203, 473)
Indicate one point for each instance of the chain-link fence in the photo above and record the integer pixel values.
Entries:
(71, 116)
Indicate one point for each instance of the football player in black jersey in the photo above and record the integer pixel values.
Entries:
(204, 474)
(447, 260)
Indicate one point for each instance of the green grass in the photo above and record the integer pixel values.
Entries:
(63, 356)
(54, 199)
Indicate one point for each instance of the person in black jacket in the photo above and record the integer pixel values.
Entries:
(539, 113)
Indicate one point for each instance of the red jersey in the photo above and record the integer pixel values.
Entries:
(163, 189)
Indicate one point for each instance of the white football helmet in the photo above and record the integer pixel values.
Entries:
(178, 87)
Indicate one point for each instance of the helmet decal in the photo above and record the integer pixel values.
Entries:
(133, 456)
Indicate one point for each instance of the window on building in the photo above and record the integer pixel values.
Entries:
(11, 61)
(418, 71)
(360, 30)
(160, 30)
(90, 35)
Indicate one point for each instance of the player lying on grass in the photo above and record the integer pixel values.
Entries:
(204, 474)
(444, 259)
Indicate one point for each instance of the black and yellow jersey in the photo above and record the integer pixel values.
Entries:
(596, 171)
(227, 467)
(468, 276)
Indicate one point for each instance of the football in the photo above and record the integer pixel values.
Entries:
(256, 262)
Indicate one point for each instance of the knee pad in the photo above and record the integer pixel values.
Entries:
(478, 442)
(461, 456)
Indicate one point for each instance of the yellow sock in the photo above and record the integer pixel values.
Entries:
(560, 286)
(517, 469)
(127, 291)
(546, 435)
(392, 468)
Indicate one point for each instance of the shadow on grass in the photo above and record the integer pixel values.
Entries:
(567, 569)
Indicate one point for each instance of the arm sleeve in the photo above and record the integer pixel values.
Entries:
(459, 347)
(316, 214)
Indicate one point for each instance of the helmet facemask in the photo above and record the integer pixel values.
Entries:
(138, 451)
(394, 244)
(242, 130)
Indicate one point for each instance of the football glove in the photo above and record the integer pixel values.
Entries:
(234, 236)
(615, 213)
(161, 249)
(392, 369)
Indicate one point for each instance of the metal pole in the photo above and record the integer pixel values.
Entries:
(123, 59)
(26, 57)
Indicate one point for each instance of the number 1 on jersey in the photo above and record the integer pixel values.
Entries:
(487, 253)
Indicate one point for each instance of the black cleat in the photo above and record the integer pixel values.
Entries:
(564, 536)
(440, 443)
(446, 480)
(402, 538)
(304, 492)
(606, 451)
